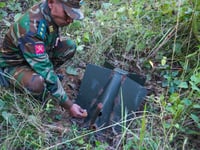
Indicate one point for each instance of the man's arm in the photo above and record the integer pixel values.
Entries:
(36, 56)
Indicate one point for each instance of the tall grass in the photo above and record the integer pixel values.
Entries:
(150, 37)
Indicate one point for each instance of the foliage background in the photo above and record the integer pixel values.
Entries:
(155, 38)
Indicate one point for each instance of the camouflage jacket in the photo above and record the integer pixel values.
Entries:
(30, 40)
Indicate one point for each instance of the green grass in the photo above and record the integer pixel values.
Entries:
(157, 39)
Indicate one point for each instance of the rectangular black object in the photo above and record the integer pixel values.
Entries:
(107, 94)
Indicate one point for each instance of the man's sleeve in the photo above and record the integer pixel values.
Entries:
(36, 56)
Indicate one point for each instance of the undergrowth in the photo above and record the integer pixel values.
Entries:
(159, 39)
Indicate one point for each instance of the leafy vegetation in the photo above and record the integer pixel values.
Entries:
(159, 39)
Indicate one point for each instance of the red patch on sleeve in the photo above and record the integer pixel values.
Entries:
(39, 49)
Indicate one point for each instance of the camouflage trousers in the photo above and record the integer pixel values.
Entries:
(25, 77)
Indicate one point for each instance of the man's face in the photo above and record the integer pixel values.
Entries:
(58, 14)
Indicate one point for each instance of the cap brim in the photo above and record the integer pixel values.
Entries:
(74, 13)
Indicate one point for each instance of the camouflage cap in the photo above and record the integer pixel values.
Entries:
(72, 8)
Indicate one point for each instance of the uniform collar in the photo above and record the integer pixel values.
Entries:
(46, 13)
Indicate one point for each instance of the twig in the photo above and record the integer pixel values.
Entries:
(166, 39)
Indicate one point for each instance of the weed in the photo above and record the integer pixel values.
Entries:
(155, 37)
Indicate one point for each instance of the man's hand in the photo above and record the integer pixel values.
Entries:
(77, 111)
(74, 109)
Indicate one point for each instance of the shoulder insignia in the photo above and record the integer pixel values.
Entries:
(41, 31)
(39, 49)
(51, 29)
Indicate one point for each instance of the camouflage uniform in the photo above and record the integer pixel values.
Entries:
(31, 49)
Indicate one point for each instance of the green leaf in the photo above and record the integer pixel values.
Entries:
(2, 4)
(165, 84)
(177, 82)
(17, 16)
(3, 14)
(75, 25)
(32, 119)
(58, 117)
(78, 39)
(170, 109)
(5, 115)
(177, 125)
(174, 73)
(196, 106)
(99, 13)
(10, 118)
(86, 37)
(97, 143)
(164, 61)
(115, 1)
(195, 118)
(175, 97)
(192, 132)
(2, 104)
(72, 71)
(171, 137)
(187, 102)
(178, 47)
(183, 85)
(141, 45)
(49, 106)
(121, 9)
(180, 107)
(80, 141)
(106, 5)
(80, 48)
(194, 87)
(195, 78)
(7, 23)
(195, 24)
(167, 125)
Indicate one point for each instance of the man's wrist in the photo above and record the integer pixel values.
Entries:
(67, 104)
